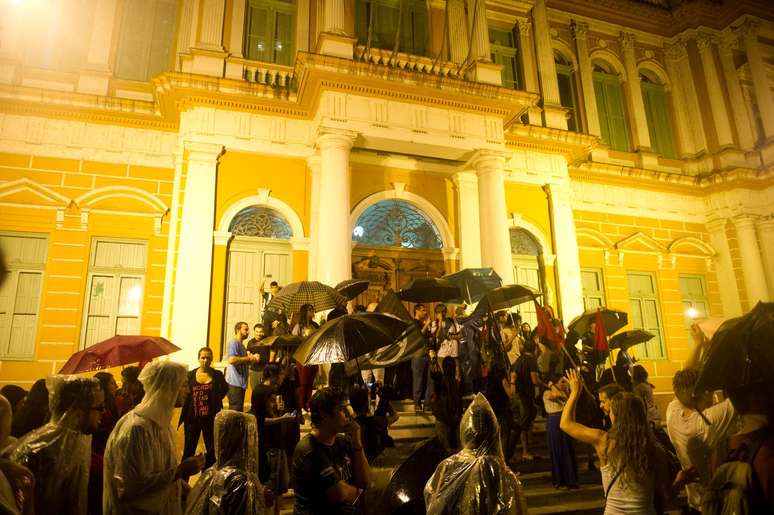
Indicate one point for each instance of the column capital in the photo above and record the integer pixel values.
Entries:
(749, 30)
(203, 151)
(675, 51)
(484, 161)
(335, 138)
(627, 40)
(705, 41)
(221, 237)
(765, 224)
(744, 221)
(716, 225)
(579, 29)
(525, 27)
(560, 192)
(727, 42)
(465, 179)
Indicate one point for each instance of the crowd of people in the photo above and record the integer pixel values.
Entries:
(121, 455)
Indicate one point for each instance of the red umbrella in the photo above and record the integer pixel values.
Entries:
(117, 351)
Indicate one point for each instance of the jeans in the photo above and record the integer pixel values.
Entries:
(236, 398)
(204, 426)
(419, 382)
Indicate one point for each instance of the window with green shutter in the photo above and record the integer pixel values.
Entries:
(146, 39)
(610, 106)
(270, 28)
(646, 314)
(503, 48)
(567, 91)
(657, 114)
(384, 18)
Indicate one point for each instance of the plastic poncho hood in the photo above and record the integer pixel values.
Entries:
(232, 484)
(476, 480)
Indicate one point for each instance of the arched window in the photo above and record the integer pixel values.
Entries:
(396, 223)
(657, 114)
(610, 106)
(523, 243)
(146, 39)
(379, 22)
(567, 92)
(526, 254)
(261, 222)
(271, 28)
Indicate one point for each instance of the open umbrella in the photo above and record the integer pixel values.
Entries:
(613, 320)
(351, 288)
(741, 352)
(429, 289)
(281, 341)
(505, 297)
(474, 283)
(350, 336)
(628, 339)
(294, 295)
(117, 351)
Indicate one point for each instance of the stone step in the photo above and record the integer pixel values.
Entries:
(538, 479)
(538, 496)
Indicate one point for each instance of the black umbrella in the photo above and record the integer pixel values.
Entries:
(281, 341)
(429, 289)
(741, 352)
(474, 283)
(351, 288)
(321, 296)
(628, 339)
(505, 297)
(613, 320)
(350, 336)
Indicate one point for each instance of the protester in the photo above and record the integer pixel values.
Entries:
(644, 390)
(446, 333)
(33, 412)
(420, 364)
(510, 335)
(237, 370)
(549, 364)
(269, 315)
(130, 394)
(374, 436)
(330, 470)
(231, 485)
(142, 473)
(447, 403)
(606, 394)
(16, 482)
(206, 389)
(561, 451)
(337, 376)
(303, 326)
(287, 385)
(499, 393)
(525, 378)
(476, 480)
(470, 352)
(99, 440)
(262, 351)
(59, 453)
(14, 394)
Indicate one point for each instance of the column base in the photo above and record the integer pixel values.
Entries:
(732, 158)
(555, 116)
(336, 45)
(534, 114)
(203, 62)
(647, 159)
(486, 72)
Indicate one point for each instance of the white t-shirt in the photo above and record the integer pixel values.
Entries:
(694, 440)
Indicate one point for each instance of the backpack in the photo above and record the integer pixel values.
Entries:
(734, 488)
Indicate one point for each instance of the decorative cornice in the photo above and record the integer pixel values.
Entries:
(574, 146)
(705, 41)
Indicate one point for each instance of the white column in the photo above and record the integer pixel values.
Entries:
(193, 274)
(567, 260)
(210, 34)
(716, 98)
(493, 214)
(458, 31)
(579, 32)
(334, 257)
(334, 17)
(236, 40)
(555, 116)
(677, 52)
(741, 119)
(313, 163)
(641, 134)
(766, 239)
(529, 67)
(470, 228)
(95, 75)
(479, 30)
(749, 32)
(729, 292)
(752, 265)
(679, 102)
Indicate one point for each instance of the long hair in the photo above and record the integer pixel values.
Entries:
(630, 441)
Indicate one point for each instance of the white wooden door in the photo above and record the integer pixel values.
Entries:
(526, 271)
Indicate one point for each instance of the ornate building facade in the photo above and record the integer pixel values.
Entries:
(160, 158)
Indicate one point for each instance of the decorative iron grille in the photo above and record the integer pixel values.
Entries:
(396, 223)
(262, 222)
(523, 243)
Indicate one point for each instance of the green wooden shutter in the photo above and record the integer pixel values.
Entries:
(362, 14)
(160, 57)
(256, 41)
(645, 313)
(601, 94)
(619, 134)
(419, 28)
(659, 121)
(283, 38)
(567, 95)
(503, 52)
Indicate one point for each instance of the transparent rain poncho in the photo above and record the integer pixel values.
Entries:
(476, 480)
(231, 485)
(58, 453)
(140, 458)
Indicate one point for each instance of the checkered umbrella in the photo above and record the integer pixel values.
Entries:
(321, 296)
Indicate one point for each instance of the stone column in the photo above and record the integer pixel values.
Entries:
(95, 75)
(555, 115)
(752, 265)
(188, 21)
(729, 292)
(334, 17)
(741, 119)
(193, 273)
(766, 239)
(717, 101)
(470, 227)
(334, 258)
(679, 57)
(313, 163)
(458, 31)
(210, 35)
(684, 134)
(236, 40)
(634, 90)
(567, 260)
(749, 33)
(579, 31)
(528, 65)
(493, 213)
(479, 30)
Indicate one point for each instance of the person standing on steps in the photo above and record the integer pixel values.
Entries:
(237, 371)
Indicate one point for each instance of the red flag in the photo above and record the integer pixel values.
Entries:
(546, 328)
(600, 337)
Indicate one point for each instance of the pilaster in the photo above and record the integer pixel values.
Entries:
(236, 40)
(752, 265)
(766, 238)
(458, 32)
(479, 30)
(729, 292)
(749, 34)
(741, 119)
(579, 32)
(470, 226)
(529, 67)
(717, 105)
(555, 115)
(313, 163)
(566, 242)
(634, 90)
(676, 53)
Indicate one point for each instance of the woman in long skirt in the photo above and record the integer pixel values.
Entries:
(564, 466)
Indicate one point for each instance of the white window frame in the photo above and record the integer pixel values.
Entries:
(655, 296)
(13, 276)
(692, 300)
(119, 273)
(601, 278)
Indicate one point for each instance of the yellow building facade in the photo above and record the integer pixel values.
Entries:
(159, 159)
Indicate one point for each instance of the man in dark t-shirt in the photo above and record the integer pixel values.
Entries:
(525, 377)
(254, 347)
(330, 470)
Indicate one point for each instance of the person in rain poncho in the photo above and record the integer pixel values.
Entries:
(231, 485)
(141, 472)
(59, 453)
(476, 480)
